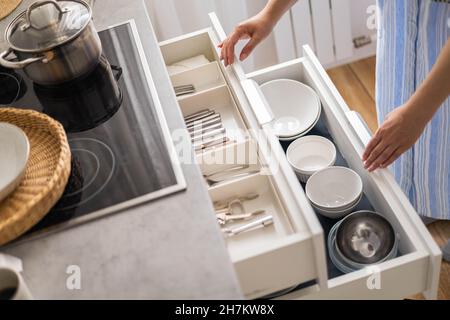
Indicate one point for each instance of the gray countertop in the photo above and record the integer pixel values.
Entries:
(167, 249)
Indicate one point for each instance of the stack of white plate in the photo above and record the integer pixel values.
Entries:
(310, 154)
(295, 106)
(335, 191)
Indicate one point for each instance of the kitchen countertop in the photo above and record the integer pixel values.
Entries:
(171, 248)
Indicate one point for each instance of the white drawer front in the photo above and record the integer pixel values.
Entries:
(417, 267)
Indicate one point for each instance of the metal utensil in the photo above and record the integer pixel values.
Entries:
(183, 90)
(365, 237)
(196, 114)
(200, 121)
(205, 124)
(223, 218)
(212, 143)
(256, 224)
(202, 130)
(208, 134)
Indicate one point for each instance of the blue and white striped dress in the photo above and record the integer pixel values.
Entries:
(410, 37)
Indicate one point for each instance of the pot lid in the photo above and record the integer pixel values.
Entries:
(47, 24)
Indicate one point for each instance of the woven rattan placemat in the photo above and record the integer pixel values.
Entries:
(8, 6)
(46, 175)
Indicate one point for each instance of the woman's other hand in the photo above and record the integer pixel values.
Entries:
(404, 125)
(397, 134)
(255, 29)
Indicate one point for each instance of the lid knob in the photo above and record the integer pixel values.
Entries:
(37, 5)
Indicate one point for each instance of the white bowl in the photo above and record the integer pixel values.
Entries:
(337, 213)
(334, 215)
(310, 154)
(295, 106)
(14, 153)
(350, 205)
(334, 187)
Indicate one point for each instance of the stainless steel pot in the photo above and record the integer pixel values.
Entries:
(54, 42)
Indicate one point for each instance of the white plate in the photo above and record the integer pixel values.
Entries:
(14, 153)
(295, 106)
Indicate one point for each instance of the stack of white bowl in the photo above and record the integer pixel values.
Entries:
(343, 263)
(310, 154)
(335, 191)
(295, 106)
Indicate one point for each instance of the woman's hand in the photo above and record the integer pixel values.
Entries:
(404, 125)
(397, 134)
(256, 29)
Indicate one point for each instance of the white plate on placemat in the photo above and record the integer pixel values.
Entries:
(14, 153)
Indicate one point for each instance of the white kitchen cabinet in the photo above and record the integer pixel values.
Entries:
(327, 26)
(293, 250)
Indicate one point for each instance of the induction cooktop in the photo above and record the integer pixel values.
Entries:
(122, 151)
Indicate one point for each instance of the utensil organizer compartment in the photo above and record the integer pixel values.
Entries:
(267, 200)
(220, 101)
(293, 250)
(203, 78)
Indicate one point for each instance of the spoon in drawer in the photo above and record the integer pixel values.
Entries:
(200, 116)
(259, 223)
(205, 124)
(223, 218)
(208, 134)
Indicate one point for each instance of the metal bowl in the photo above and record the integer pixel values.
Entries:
(365, 237)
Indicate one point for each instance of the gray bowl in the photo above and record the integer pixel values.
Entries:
(365, 237)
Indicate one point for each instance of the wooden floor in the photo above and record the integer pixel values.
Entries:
(356, 83)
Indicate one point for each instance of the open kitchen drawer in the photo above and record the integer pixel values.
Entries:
(293, 252)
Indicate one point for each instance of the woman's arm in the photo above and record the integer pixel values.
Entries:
(256, 29)
(404, 125)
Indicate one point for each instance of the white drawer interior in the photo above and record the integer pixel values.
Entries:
(203, 78)
(267, 200)
(377, 196)
(188, 46)
(217, 160)
(221, 101)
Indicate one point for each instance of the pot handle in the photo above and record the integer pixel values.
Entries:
(39, 4)
(4, 62)
(119, 72)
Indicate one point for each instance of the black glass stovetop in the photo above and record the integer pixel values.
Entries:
(118, 147)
